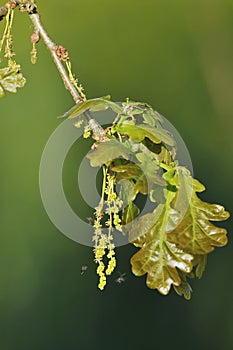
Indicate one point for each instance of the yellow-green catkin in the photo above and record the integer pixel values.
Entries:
(110, 204)
(6, 43)
(112, 260)
(7, 39)
(87, 132)
(75, 81)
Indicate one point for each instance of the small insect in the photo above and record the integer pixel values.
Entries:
(121, 278)
(83, 269)
(90, 220)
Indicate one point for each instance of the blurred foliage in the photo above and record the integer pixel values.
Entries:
(10, 80)
(177, 56)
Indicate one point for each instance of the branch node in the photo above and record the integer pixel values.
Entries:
(11, 4)
(29, 7)
(62, 53)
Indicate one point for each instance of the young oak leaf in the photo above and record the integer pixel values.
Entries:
(195, 233)
(160, 259)
(138, 133)
(144, 174)
(94, 105)
(106, 152)
(151, 117)
(130, 210)
(131, 171)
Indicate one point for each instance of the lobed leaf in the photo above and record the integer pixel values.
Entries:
(105, 152)
(195, 233)
(160, 259)
(138, 133)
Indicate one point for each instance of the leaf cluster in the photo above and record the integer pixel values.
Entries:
(175, 238)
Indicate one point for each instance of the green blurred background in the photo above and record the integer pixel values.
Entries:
(178, 57)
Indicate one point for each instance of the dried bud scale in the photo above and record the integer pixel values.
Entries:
(62, 53)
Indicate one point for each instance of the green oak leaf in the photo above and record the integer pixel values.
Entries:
(195, 233)
(160, 259)
(115, 107)
(145, 222)
(138, 133)
(160, 133)
(10, 80)
(82, 107)
(132, 109)
(130, 210)
(144, 174)
(106, 152)
(133, 172)
(142, 225)
(135, 107)
(151, 117)
(136, 103)
(150, 168)
(93, 105)
(170, 177)
(179, 180)
(166, 155)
